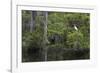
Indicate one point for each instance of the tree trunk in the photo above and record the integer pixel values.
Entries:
(32, 24)
(45, 14)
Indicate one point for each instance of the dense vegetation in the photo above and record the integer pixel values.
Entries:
(52, 36)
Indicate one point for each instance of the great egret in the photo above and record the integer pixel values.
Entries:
(75, 28)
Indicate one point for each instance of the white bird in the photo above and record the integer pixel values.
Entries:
(75, 28)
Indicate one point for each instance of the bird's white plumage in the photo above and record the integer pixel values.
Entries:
(75, 27)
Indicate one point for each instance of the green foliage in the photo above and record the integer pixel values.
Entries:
(74, 39)
(26, 16)
(62, 24)
(33, 38)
